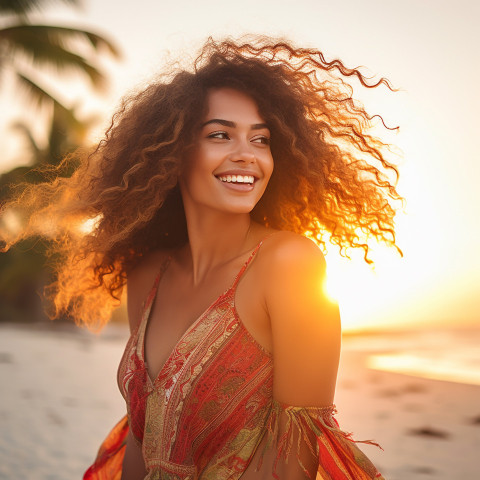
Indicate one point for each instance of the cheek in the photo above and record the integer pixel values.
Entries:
(195, 167)
(269, 168)
(196, 179)
(204, 162)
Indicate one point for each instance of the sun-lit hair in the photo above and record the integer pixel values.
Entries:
(331, 179)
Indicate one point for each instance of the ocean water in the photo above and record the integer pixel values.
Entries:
(442, 354)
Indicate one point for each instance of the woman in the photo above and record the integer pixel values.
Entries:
(201, 198)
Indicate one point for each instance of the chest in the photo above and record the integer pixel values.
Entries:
(178, 308)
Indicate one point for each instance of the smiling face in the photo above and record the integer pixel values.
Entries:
(231, 163)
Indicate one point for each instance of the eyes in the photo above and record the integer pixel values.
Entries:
(222, 135)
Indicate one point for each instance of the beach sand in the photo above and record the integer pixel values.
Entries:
(59, 399)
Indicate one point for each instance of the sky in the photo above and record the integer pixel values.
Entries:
(428, 49)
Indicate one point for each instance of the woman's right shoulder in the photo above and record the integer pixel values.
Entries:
(140, 280)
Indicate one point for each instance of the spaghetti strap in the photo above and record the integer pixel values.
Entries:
(249, 260)
(153, 291)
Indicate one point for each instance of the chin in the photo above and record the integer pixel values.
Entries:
(238, 209)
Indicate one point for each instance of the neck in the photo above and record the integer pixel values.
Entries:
(216, 238)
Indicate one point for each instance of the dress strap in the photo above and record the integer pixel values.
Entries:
(147, 303)
(247, 263)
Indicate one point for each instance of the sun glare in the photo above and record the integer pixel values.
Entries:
(11, 222)
(426, 366)
(87, 226)
(364, 292)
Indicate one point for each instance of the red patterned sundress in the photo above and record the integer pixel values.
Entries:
(209, 408)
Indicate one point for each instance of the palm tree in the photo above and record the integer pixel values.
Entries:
(65, 133)
(27, 47)
(23, 271)
(25, 50)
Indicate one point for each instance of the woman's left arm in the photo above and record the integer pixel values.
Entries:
(305, 325)
(304, 438)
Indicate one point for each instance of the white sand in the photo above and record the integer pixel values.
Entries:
(59, 399)
(399, 412)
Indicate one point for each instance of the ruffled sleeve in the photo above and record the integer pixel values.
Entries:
(109, 461)
(311, 436)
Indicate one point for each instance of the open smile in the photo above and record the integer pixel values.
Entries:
(238, 183)
(248, 179)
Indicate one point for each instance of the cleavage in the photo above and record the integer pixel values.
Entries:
(173, 312)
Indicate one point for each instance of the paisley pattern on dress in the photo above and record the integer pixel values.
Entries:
(211, 405)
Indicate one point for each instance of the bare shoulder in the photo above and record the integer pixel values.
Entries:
(139, 282)
(293, 277)
(287, 252)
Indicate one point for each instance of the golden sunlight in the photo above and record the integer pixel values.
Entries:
(87, 226)
(365, 292)
(426, 366)
(11, 222)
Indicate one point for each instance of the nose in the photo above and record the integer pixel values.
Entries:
(244, 153)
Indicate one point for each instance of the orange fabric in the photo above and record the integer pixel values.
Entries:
(108, 464)
(338, 456)
(205, 414)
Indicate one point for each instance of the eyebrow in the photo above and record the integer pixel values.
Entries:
(228, 123)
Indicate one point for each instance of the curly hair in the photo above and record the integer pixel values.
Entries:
(331, 181)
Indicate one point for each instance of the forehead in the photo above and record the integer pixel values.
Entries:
(231, 104)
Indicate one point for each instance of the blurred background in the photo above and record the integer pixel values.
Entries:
(411, 324)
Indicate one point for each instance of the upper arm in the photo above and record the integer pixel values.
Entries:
(305, 324)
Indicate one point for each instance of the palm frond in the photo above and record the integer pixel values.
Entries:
(41, 51)
(26, 131)
(67, 115)
(66, 130)
(37, 94)
(22, 7)
(26, 35)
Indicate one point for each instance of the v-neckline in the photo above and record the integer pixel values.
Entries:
(146, 318)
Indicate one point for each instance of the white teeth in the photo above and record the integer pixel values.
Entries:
(237, 178)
